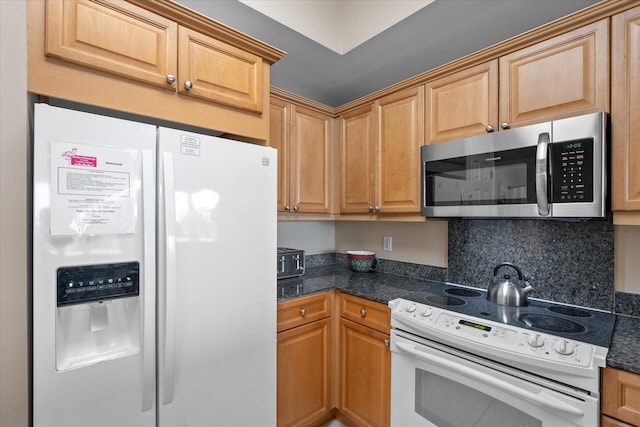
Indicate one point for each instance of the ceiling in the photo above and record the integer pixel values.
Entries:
(433, 35)
(335, 23)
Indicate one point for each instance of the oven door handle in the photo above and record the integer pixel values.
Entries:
(542, 399)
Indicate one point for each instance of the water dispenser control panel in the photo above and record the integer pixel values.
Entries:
(87, 283)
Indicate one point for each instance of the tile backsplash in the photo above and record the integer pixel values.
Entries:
(569, 262)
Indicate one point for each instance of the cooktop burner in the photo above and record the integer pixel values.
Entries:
(569, 311)
(463, 292)
(581, 324)
(444, 300)
(551, 323)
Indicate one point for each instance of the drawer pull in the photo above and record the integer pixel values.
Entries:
(363, 312)
(386, 343)
(303, 312)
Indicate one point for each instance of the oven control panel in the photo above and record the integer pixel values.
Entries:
(478, 334)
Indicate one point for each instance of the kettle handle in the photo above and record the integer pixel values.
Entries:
(508, 264)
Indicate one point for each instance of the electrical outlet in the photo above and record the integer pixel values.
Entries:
(387, 243)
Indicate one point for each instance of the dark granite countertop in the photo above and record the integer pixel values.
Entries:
(383, 287)
(625, 344)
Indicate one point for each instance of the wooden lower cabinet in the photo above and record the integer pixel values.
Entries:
(364, 361)
(333, 359)
(620, 398)
(303, 374)
(365, 374)
(305, 360)
(610, 422)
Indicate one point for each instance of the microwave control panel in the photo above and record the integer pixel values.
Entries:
(93, 283)
(572, 171)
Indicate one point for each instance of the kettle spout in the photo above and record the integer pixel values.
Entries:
(527, 287)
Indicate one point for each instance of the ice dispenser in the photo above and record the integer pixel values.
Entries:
(98, 313)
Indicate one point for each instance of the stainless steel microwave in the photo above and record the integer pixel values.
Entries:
(548, 170)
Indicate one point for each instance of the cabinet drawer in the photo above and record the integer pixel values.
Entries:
(303, 310)
(368, 313)
(621, 395)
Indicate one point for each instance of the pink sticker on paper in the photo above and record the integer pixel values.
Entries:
(84, 161)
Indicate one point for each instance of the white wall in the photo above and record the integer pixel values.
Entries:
(416, 242)
(419, 243)
(627, 259)
(14, 216)
(315, 237)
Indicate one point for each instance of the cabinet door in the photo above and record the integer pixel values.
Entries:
(625, 115)
(310, 161)
(115, 37)
(560, 77)
(303, 374)
(462, 104)
(365, 374)
(621, 395)
(400, 121)
(358, 133)
(610, 422)
(280, 139)
(216, 71)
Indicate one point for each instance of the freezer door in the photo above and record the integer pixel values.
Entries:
(93, 270)
(217, 284)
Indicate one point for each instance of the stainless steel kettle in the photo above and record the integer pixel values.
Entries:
(505, 292)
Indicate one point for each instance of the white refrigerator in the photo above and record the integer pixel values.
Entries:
(154, 291)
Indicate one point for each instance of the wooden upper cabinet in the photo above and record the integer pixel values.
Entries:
(625, 117)
(381, 154)
(136, 56)
(216, 71)
(462, 104)
(118, 38)
(129, 41)
(310, 177)
(358, 161)
(400, 134)
(280, 139)
(303, 138)
(564, 76)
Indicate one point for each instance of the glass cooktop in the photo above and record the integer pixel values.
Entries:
(576, 323)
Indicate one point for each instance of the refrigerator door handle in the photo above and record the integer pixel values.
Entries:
(148, 301)
(170, 285)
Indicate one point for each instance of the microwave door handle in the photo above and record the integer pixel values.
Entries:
(542, 174)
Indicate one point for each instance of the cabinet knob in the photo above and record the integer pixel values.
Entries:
(295, 208)
(363, 312)
(370, 208)
(287, 208)
(303, 312)
(490, 128)
(376, 209)
(171, 78)
(505, 125)
(188, 85)
(386, 343)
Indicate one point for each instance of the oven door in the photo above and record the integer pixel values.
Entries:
(433, 385)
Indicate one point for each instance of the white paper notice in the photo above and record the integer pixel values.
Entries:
(92, 190)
